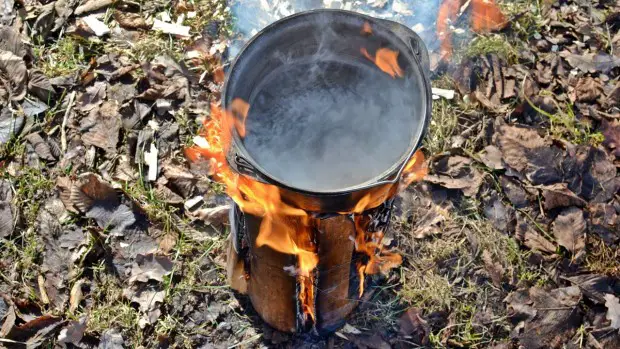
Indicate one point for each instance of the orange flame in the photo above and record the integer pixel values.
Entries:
(485, 17)
(285, 228)
(386, 60)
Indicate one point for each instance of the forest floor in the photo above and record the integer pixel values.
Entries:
(511, 240)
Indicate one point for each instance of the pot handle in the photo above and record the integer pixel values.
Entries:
(413, 41)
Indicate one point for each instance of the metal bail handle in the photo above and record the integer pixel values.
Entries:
(413, 41)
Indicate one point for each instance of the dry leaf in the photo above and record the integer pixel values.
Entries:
(530, 237)
(558, 195)
(569, 229)
(456, 172)
(412, 324)
(130, 20)
(150, 267)
(13, 67)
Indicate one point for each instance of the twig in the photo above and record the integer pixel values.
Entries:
(249, 340)
(63, 132)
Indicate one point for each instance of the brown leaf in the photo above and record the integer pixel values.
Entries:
(605, 222)
(102, 127)
(146, 296)
(587, 90)
(40, 86)
(35, 331)
(150, 267)
(593, 286)
(515, 192)
(515, 144)
(41, 147)
(92, 5)
(569, 229)
(412, 324)
(558, 195)
(501, 216)
(495, 269)
(7, 210)
(545, 319)
(592, 62)
(111, 339)
(528, 153)
(130, 20)
(88, 190)
(14, 68)
(491, 156)
(75, 296)
(456, 172)
(93, 97)
(430, 222)
(530, 237)
(611, 131)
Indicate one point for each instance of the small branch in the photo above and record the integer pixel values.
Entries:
(63, 132)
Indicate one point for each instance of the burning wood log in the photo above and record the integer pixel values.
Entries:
(313, 204)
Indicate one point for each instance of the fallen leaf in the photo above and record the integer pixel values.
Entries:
(412, 324)
(515, 192)
(611, 131)
(569, 229)
(7, 13)
(130, 20)
(146, 296)
(92, 98)
(213, 215)
(75, 296)
(150, 267)
(495, 269)
(530, 237)
(41, 147)
(40, 86)
(593, 286)
(73, 332)
(10, 125)
(456, 172)
(528, 153)
(501, 216)
(491, 156)
(429, 222)
(13, 67)
(7, 210)
(558, 195)
(544, 319)
(586, 169)
(605, 222)
(102, 127)
(111, 339)
(613, 310)
(592, 62)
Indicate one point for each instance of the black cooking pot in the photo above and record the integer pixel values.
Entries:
(326, 124)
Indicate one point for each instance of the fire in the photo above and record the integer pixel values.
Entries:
(285, 228)
(485, 17)
(386, 60)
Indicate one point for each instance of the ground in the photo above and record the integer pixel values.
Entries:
(511, 240)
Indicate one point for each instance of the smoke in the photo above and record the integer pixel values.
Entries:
(253, 15)
(334, 125)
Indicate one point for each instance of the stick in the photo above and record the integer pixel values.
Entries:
(63, 132)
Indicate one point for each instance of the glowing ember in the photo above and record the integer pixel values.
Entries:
(485, 16)
(386, 60)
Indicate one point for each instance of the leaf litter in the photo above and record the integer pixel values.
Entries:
(513, 238)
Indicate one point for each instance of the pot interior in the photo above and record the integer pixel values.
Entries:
(324, 117)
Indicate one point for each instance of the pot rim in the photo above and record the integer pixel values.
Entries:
(389, 176)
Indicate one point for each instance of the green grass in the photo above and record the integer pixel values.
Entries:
(66, 56)
(493, 43)
(563, 124)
